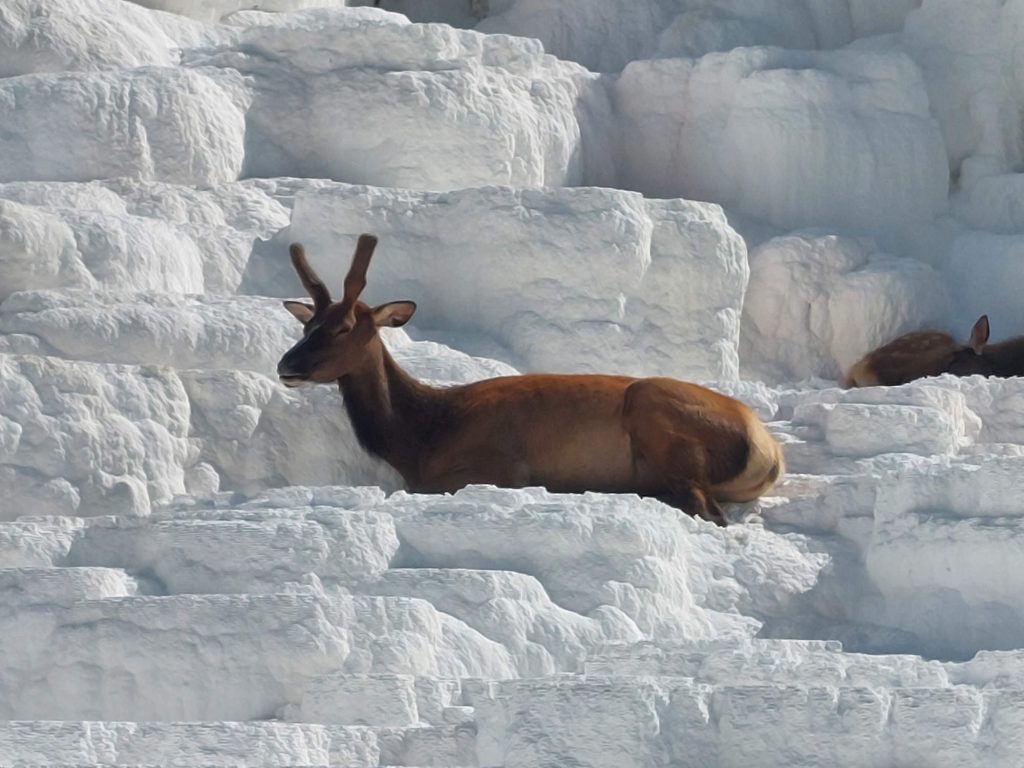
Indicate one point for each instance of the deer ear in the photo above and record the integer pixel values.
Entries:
(394, 314)
(300, 309)
(979, 335)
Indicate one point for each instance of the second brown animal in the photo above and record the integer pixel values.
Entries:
(932, 353)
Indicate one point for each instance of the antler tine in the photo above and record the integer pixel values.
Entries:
(310, 281)
(355, 280)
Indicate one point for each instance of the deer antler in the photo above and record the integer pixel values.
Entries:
(314, 285)
(355, 280)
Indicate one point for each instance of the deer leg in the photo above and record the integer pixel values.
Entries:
(682, 467)
(669, 462)
(675, 471)
(696, 501)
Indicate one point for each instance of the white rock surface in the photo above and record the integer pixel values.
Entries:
(199, 566)
(982, 269)
(219, 744)
(974, 75)
(842, 139)
(224, 10)
(168, 124)
(817, 304)
(60, 35)
(130, 235)
(80, 440)
(603, 280)
(607, 36)
(674, 272)
(460, 108)
(495, 109)
(226, 586)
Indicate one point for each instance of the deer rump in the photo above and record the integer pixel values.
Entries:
(569, 433)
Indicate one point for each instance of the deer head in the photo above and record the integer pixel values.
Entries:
(971, 359)
(337, 336)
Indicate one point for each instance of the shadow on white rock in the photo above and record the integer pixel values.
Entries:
(606, 36)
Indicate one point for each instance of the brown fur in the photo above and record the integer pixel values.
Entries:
(1006, 358)
(568, 433)
(908, 357)
(932, 353)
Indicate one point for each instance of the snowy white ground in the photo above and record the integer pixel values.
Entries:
(200, 567)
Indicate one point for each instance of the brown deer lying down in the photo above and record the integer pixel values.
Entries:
(654, 437)
(932, 353)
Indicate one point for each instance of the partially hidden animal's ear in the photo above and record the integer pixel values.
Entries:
(979, 335)
(300, 309)
(394, 314)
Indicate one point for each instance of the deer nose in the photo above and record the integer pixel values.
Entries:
(286, 368)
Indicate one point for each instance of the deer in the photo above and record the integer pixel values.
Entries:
(931, 353)
(690, 446)
(1003, 359)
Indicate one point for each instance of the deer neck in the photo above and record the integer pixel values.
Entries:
(1007, 357)
(392, 413)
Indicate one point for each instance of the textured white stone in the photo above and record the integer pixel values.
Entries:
(974, 73)
(817, 304)
(766, 662)
(569, 280)
(97, 440)
(639, 547)
(59, 35)
(162, 123)
(244, 552)
(513, 609)
(37, 542)
(225, 657)
(227, 10)
(607, 36)
(130, 235)
(241, 333)
(982, 270)
(239, 657)
(21, 586)
(171, 544)
(210, 744)
(651, 721)
(841, 139)
(386, 102)
(379, 700)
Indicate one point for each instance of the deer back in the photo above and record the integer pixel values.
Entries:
(905, 358)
